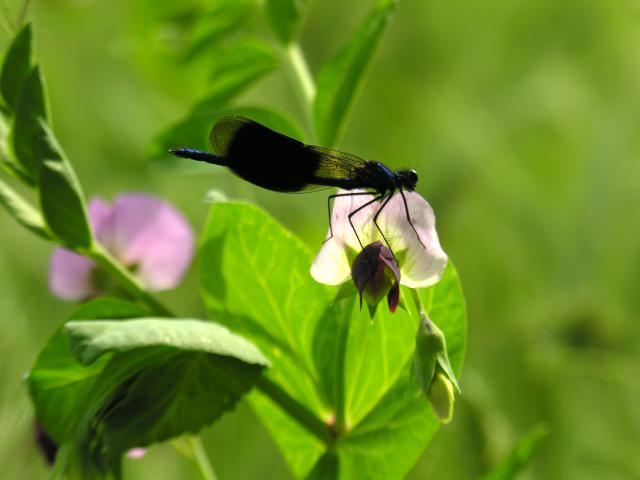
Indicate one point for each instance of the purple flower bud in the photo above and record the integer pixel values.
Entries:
(145, 233)
(376, 273)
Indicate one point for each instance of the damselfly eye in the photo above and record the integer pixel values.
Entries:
(412, 178)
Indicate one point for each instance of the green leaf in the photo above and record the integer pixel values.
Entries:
(352, 372)
(90, 340)
(6, 156)
(193, 132)
(340, 79)
(151, 379)
(284, 17)
(22, 212)
(520, 456)
(181, 375)
(235, 70)
(16, 67)
(214, 25)
(27, 133)
(61, 199)
(58, 384)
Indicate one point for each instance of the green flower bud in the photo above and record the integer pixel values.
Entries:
(441, 397)
(432, 369)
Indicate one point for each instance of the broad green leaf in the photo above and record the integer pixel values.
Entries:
(194, 131)
(168, 377)
(348, 370)
(27, 134)
(22, 211)
(340, 79)
(61, 199)
(150, 379)
(58, 384)
(16, 67)
(256, 281)
(284, 17)
(520, 456)
(90, 340)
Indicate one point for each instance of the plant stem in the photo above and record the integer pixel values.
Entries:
(302, 79)
(103, 258)
(418, 301)
(298, 411)
(201, 458)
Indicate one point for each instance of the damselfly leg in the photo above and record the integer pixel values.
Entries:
(331, 197)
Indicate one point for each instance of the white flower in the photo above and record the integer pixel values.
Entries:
(417, 249)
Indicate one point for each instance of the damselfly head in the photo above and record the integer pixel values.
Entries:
(408, 179)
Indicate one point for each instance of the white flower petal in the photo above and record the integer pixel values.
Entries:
(422, 260)
(331, 266)
(344, 206)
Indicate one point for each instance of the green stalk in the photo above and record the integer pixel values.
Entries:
(302, 80)
(201, 458)
(298, 411)
(103, 258)
(418, 301)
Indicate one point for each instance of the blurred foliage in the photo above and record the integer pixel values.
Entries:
(522, 120)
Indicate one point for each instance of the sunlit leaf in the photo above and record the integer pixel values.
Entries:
(90, 340)
(340, 79)
(350, 371)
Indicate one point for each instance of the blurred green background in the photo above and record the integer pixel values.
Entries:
(522, 118)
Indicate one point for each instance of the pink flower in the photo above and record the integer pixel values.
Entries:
(137, 452)
(145, 233)
(418, 252)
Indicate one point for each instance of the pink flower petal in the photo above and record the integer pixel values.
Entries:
(137, 452)
(70, 275)
(150, 236)
(99, 214)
